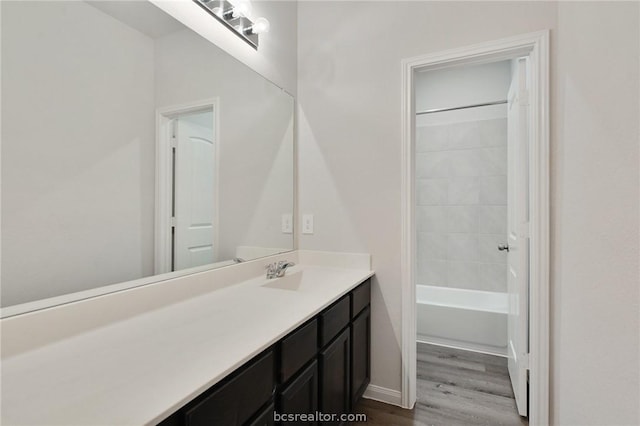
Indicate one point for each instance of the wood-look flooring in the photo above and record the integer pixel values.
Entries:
(455, 388)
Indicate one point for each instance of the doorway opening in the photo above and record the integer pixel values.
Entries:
(186, 186)
(475, 216)
(468, 266)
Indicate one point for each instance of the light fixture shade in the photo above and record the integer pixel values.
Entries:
(261, 26)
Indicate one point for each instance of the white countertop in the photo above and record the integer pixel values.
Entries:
(142, 369)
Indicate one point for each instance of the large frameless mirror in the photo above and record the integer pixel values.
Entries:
(132, 149)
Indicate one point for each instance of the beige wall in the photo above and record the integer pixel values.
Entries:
(349, 87)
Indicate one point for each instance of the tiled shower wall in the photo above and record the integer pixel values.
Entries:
(461, 197)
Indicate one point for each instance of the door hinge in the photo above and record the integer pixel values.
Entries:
(174, 142)
(173, 222)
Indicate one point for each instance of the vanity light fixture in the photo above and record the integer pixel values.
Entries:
(235, 16)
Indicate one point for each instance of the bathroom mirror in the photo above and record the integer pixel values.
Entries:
(133, 150)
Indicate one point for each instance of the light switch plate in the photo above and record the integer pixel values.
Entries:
(287, 223)
(307, 224)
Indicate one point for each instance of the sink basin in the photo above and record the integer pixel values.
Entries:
(291, 282)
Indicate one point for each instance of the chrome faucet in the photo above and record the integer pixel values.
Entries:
(277, 269)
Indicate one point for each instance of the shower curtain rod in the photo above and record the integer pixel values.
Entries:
(429, 111)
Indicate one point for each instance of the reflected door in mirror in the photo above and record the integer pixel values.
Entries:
(194, 239)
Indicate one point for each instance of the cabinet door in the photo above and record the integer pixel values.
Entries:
(360, 355)
(335, 393)
(264, 418)
(301, 395)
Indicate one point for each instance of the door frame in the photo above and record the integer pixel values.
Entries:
(164, 177)
(536, 47)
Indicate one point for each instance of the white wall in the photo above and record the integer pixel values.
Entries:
(256, 137)
(349, 153)
(595, 215)
(51, 167)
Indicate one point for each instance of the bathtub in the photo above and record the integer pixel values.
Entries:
(466, 319)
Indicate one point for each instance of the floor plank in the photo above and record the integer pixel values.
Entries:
(454, 388)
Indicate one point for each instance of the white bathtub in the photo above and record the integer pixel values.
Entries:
(466, 319)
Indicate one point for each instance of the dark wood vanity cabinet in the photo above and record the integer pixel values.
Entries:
(322, 366)
(337, 364)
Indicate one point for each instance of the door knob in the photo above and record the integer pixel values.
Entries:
(503, 248)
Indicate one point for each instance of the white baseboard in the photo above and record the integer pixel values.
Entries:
(388, 396)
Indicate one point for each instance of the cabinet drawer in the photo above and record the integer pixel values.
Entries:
(360, 298)
(239, 399)
(333, 320)
(297, 349)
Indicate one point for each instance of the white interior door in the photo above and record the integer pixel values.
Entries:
(518, 233)
(194, 190)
